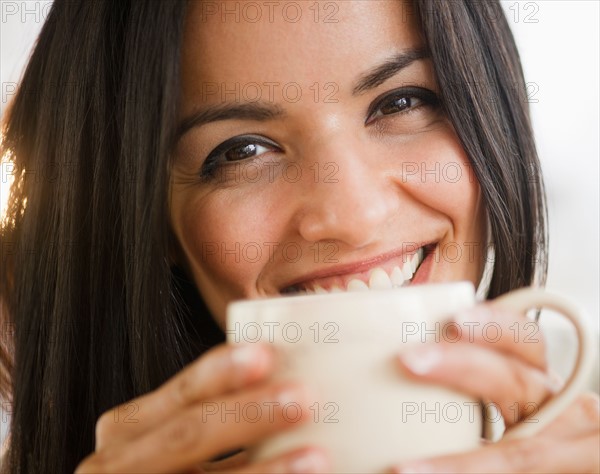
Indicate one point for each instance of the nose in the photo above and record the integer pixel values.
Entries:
(350, 199)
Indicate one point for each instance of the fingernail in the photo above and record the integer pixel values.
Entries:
(554, 383)
(421, 361)
(246, 356)
(294, 395)
(415, 468)
(312, 461)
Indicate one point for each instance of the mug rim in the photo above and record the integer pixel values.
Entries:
(423, 302)
(375, 294)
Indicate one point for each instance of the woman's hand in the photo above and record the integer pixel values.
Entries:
(206, 410)
(506, 367)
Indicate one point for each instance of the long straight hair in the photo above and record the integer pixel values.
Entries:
(96, 313)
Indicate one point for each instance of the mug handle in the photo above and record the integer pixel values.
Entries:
(528, 298)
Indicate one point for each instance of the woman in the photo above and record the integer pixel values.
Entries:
(184, 134)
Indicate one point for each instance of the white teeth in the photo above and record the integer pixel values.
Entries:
(414, 261)
(397, 276)
(407, 270)
(357, 285)
(379, 280)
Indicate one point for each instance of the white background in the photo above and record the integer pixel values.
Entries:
(559, 47)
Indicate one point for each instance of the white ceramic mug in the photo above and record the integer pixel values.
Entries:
(365, 413)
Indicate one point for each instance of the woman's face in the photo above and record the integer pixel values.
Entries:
(314, 155)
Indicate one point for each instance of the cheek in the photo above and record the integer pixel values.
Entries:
(225, 237)
(439, 175)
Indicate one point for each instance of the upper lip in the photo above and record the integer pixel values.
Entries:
(354, 267)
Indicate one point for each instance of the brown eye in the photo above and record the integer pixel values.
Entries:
(396, 105)
(240, 148)
(400, 102)
(241, 152)
(245, 147)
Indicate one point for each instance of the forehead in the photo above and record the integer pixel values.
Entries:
(282, 41)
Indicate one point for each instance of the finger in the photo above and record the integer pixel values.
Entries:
(537, 454)
(582, 417)
(518, 389)
(211, 428)
(506, 331)
(305, 460)
(221, 370)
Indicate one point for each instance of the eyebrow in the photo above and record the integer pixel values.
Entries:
(215, 113)
(389, 68)
(263, 112)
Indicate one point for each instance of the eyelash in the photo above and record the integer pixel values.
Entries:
(215, 158)
(426, 96)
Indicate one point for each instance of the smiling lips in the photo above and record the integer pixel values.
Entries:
(395, 273)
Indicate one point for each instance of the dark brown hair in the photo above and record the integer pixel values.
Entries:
(99, 316)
